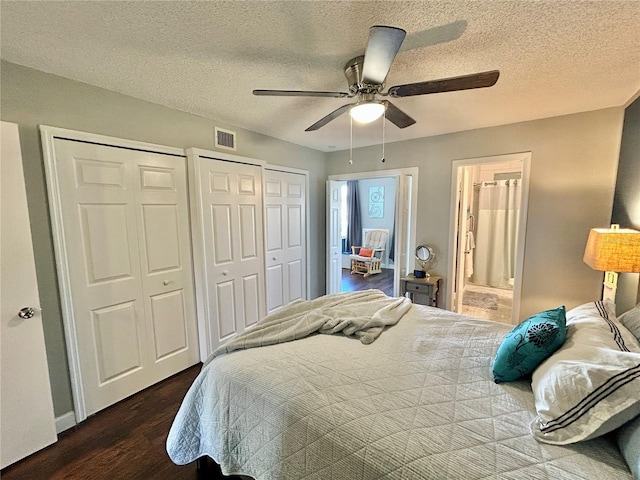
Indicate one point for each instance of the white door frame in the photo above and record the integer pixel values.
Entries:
(412, 220)
(48, 134)
(280, 168)
(525, 157)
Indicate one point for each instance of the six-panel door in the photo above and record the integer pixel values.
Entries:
(231, 206)
(125, 220)
(285, 241)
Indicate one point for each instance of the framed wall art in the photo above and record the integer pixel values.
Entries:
(376, 202)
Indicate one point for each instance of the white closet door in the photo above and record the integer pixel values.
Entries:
(233, 247)
(165, 254)
(285, 240)
(26, 409)
(125, 221)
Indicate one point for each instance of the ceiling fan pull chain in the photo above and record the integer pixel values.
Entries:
(351, 141)
(384, 118)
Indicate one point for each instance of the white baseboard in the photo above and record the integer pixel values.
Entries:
(65, 421)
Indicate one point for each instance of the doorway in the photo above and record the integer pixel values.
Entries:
(487, 239)
(387, 201)
(368, 205)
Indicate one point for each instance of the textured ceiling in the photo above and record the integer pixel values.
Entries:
(555, 58)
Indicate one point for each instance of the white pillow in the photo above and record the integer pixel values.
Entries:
(631, 320)
(591, 384)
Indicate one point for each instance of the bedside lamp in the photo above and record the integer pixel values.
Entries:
(613, 250)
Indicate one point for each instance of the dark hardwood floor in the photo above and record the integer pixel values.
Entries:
(124, 441)
(355, 282)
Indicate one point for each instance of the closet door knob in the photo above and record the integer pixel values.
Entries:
(166, 282)
(225, 272)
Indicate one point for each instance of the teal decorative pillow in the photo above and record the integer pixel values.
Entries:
(529, 343)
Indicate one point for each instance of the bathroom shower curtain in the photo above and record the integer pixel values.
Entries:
(497, 234)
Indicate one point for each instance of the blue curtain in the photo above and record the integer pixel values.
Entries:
(354, 229)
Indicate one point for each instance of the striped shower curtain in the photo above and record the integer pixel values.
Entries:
(497, 234)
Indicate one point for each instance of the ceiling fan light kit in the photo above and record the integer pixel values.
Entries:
(366, 75)
(367, 112)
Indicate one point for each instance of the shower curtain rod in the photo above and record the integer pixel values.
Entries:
(479, 184)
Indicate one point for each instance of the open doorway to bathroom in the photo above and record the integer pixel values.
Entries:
(488, 218)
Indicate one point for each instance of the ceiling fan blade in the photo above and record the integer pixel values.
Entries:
(333, 115)
(299, 93)
(397, 116)
(465, 82)
(382, 47)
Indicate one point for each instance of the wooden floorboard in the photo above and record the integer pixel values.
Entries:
(124, 441)
(354, 282)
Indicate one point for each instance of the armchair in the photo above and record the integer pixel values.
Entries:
(367, 259)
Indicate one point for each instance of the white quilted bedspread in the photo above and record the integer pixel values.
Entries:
(418, 403)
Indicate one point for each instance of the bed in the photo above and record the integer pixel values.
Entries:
(419, 402)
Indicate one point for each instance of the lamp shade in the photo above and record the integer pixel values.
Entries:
(613, 250)
(367, 112)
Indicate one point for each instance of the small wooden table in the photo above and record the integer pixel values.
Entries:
(425, 291)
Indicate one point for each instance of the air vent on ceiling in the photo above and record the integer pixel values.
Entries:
(225, 139)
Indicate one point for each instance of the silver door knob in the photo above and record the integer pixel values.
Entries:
(27, 312)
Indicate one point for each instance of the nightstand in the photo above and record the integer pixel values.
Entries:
(425, 291)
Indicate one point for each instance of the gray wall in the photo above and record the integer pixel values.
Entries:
(387, 221)
(626, 201)
(573, 170)
(31, 98)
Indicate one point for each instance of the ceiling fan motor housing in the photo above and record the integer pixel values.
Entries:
(353, 72)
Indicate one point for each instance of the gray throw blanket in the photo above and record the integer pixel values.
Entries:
(360, 314)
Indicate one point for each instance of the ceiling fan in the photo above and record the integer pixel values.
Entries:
(366, 75)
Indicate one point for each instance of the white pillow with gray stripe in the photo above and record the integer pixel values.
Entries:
(590, 385)
(631, 320)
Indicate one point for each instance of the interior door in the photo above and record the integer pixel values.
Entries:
(334, 247)
(404, 254)
(285, 240)
(464, 185)
(232, 231)
(27, 421)
(125, 220)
